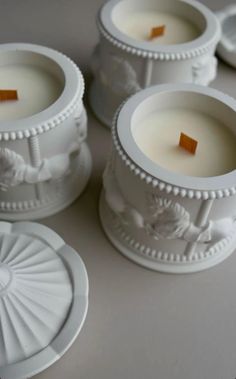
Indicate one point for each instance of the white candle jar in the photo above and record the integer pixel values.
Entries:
(44, 159)
(159, 218)
(123, 64)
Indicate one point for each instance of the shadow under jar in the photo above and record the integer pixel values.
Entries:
(127, 60)
(161, 206)
(44, 159)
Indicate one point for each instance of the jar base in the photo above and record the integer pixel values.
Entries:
(63, 201)
(132, 249)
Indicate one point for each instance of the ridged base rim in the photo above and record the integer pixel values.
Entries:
(173, 267)
(51, 208)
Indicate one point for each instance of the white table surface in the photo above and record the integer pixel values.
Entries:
(140, 324)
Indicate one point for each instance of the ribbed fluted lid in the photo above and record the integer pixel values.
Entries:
(36, 292)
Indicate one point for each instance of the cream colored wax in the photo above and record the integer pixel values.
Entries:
(37, 90)
(158, 137)
(138, 25)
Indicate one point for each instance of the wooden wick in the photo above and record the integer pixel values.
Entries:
(157, 31)
(8, 94)
(188, 143)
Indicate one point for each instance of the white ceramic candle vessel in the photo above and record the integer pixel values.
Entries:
(126, 60)
(161, 206)
(44, 159)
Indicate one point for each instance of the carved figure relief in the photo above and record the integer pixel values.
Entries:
(171, 220)
(204, 70)
(14, 170)
(120, 76)
(166, 219)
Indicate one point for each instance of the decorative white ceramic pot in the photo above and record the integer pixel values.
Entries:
(44, 159)
(123, 64)
(161, 218)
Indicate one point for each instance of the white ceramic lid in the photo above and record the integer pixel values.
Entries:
(227, 45)
(43, 298)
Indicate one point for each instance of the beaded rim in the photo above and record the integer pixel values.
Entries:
(154, 182)
(205, 43)
(56, 118)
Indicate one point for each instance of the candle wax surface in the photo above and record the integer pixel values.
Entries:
(37, 90)
(158, 138)
(178, 30)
